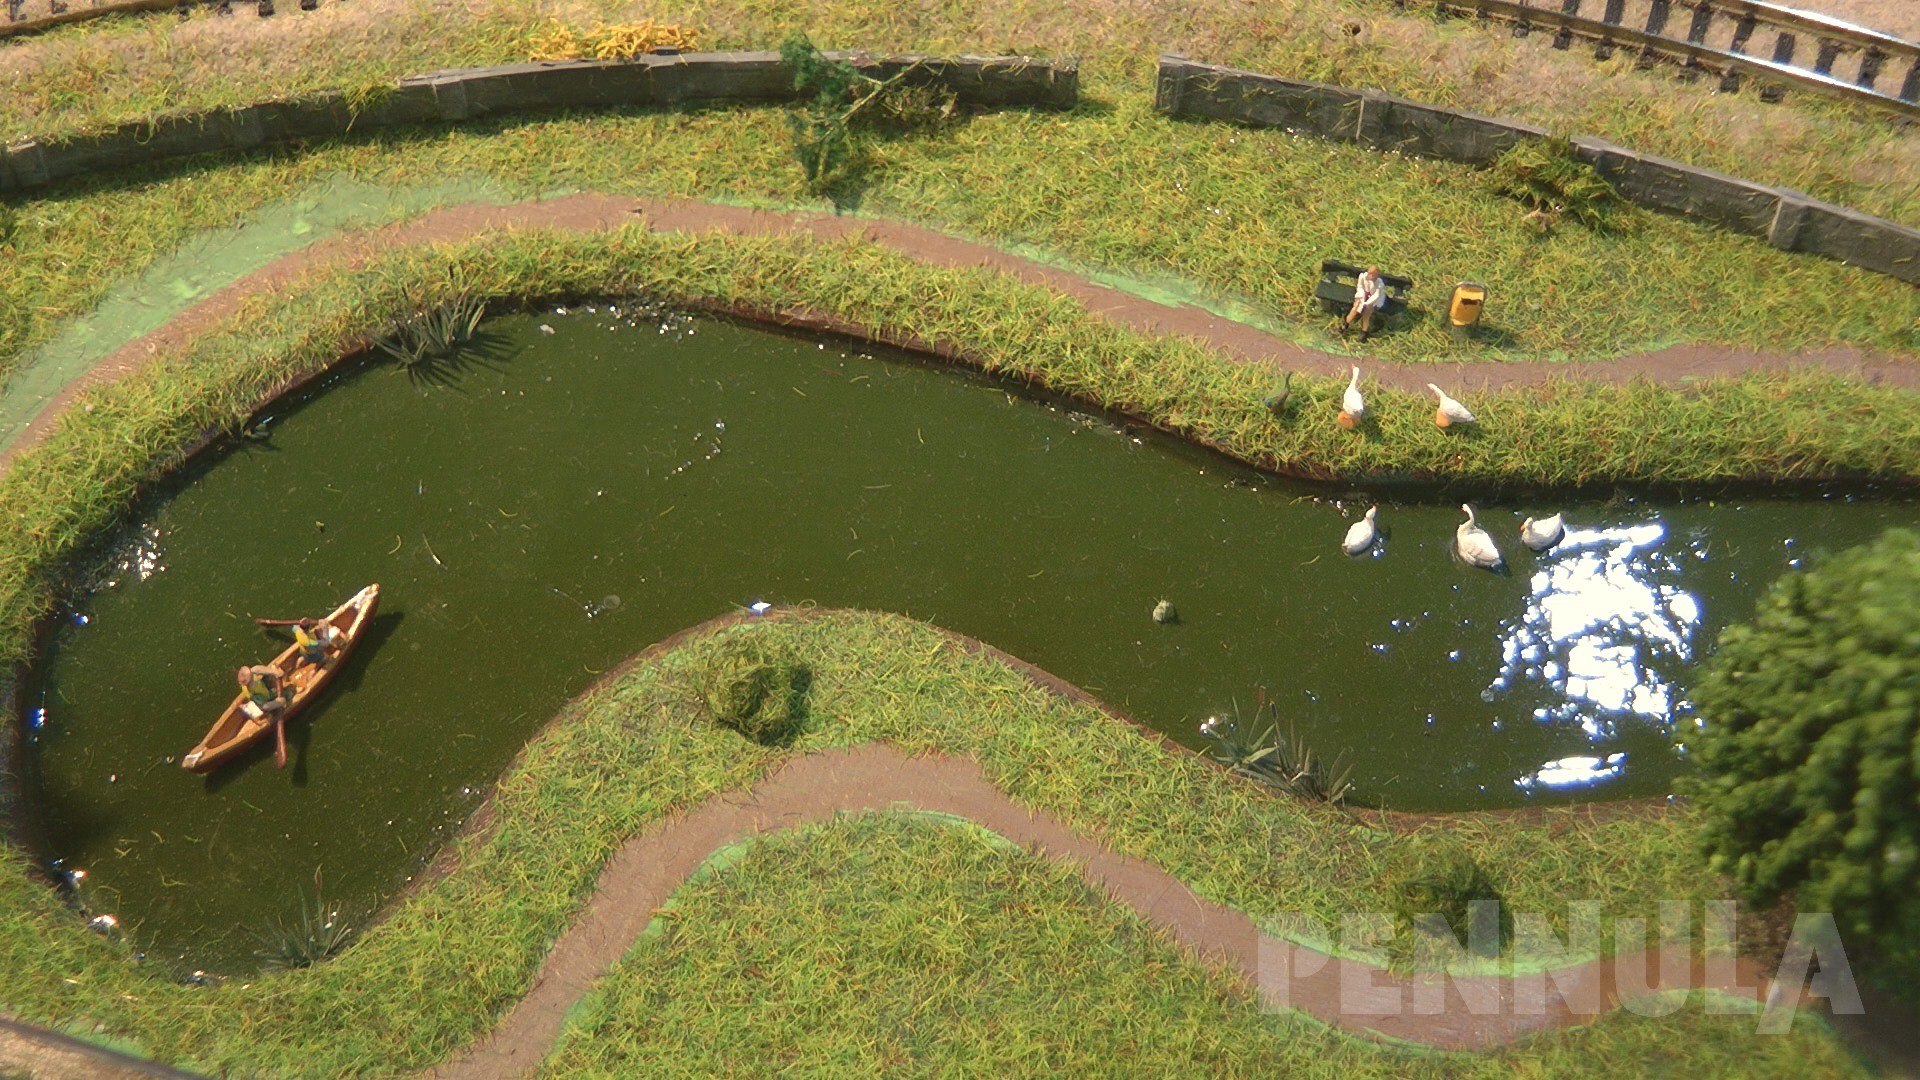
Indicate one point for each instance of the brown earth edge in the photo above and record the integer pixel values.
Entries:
(589, 212)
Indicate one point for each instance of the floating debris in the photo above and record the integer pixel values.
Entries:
(1163, 612)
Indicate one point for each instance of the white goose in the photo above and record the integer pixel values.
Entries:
(1542, 533)
(1353, 407)
(1473, 545)
(1450, 411)
(1361, 534)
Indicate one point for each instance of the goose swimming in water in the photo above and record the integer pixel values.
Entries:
(1473, 545)
(1353, 407)
(1450, 411)
(1361, 534)
(1543, 533)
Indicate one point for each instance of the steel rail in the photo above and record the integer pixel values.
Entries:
(1878, 51)
(15, 26)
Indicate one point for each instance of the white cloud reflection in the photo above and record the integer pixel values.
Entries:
(1605, 622)
(1574, 772)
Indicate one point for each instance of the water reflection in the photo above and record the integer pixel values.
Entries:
(1571, 772)
(1605, 625)
(135, 557)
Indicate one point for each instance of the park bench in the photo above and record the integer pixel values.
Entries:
(1335, 291)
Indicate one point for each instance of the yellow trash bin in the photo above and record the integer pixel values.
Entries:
(1463, 311)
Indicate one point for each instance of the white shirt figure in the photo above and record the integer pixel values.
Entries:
(1368, 291)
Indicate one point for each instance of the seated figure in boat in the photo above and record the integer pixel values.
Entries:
(317, 642)
(266, 692)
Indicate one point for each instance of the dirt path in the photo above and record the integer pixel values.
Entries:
(1463, 1013)
(35, 1052)
(595, 212)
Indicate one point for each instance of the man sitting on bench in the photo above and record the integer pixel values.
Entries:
(1369, 296)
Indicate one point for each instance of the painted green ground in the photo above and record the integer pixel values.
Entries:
(636, 749)
(896, 945)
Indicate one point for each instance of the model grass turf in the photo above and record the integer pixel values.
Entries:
(899, 945)
(633, 751)
(1783, 427)
(94, 75)
(1234, 217)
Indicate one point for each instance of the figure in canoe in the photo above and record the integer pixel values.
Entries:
(271, 693)
(318, 643)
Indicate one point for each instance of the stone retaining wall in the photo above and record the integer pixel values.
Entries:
(1785, 218)
(478, 92)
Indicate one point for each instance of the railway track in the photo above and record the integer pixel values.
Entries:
(33, 16)
(1734, 40)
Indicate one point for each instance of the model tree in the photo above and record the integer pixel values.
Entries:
(1809, 749)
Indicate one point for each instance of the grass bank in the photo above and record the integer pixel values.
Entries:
(888, 944)
(635, 750)
(629, 753)
(1803, 425)
(1236, 219)
(124, 69)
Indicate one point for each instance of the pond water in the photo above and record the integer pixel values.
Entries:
(589, 490)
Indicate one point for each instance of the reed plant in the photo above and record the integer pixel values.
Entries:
(1256, 748)
(428, 340)
(320, 932)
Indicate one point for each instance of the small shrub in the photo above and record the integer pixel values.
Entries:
(760, 695)
(1432, 877)
(1548, 176)
(1809, 746)
(843, 104)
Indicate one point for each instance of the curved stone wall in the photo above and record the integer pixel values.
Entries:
(1787, 219)
(472, 93)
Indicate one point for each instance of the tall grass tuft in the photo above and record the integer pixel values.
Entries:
(320, 933)
(1279, 761)
(1548, 176)
(427, 340)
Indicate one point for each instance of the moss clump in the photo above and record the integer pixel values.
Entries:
(757, 692)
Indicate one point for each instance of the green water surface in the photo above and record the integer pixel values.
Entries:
(588, 491)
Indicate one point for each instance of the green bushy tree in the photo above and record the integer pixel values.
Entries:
(1809, 753)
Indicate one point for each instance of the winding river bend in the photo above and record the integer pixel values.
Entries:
(606, 477)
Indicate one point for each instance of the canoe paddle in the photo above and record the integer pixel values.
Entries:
(280, 739)
(278, 622)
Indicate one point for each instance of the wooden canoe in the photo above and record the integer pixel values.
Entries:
(235, 730)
